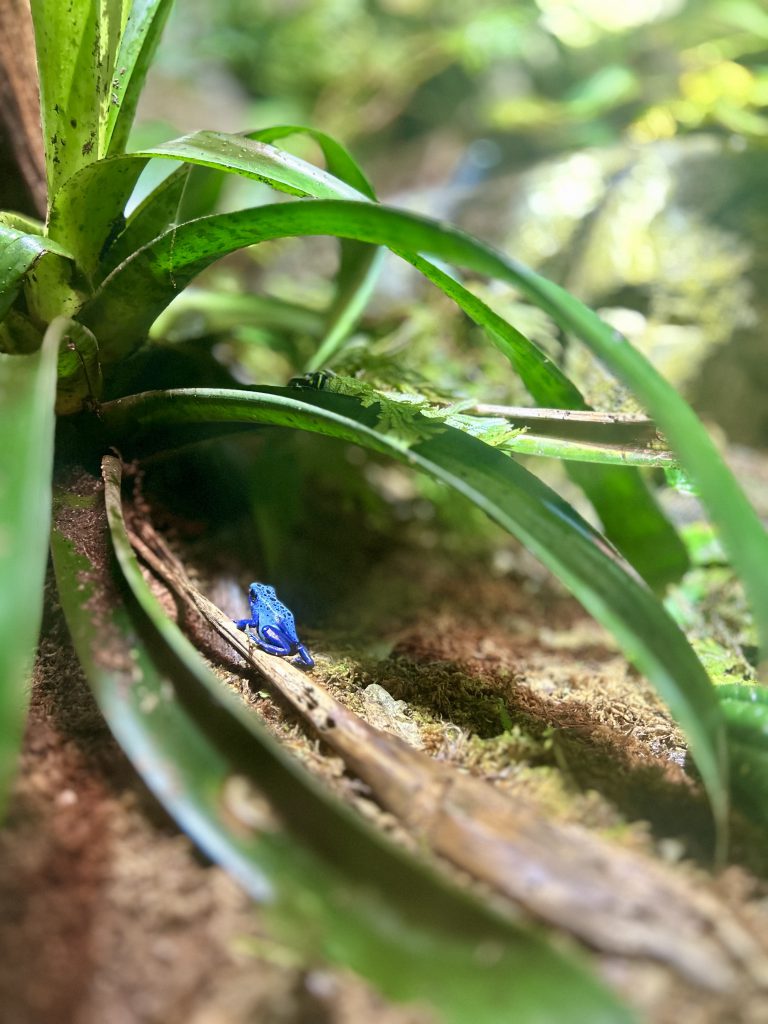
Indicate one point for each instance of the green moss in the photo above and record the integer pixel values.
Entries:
(513, 746)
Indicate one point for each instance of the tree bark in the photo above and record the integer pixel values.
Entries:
(22, 161)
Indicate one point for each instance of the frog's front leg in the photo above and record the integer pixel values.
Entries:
(245, 623)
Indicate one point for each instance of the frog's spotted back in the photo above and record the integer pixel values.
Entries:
(271, 625)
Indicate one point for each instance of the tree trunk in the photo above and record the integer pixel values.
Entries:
(22, 162)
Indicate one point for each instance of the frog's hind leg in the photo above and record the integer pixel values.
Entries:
(303, 657)
(274, 641)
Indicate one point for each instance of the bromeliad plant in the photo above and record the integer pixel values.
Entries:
(78, 296)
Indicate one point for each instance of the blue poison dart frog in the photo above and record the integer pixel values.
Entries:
(272, 626)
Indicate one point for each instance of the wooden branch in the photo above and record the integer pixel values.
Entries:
(580, 424)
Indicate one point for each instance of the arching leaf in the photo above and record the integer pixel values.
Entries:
(521, 503)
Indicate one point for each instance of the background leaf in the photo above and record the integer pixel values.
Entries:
(79, 379)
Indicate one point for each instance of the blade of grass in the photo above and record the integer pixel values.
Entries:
(331, 886)
(546, 524)
(27, 392)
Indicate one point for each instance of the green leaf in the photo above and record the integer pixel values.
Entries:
(167, 204)
(75, 42)
(92, 60)
(27, 390)
(103, 188)
(251, 158)
(184, 194)
(743, 535)
(631, 518)
(139, 38)
(339, 162)
(522, 504)
(331, 886)
(644, 536)
(199, 311)
(88, 209)
(360, 264)
(20, 252)
(594, 453)
(174, 259)
(746, 717)
(19, 221)
(543, 379)
(169, 262)
(79, 370)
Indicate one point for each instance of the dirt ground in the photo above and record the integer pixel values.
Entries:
(107, 913)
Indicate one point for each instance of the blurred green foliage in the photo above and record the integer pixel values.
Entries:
(537, 76)
(638, 125)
